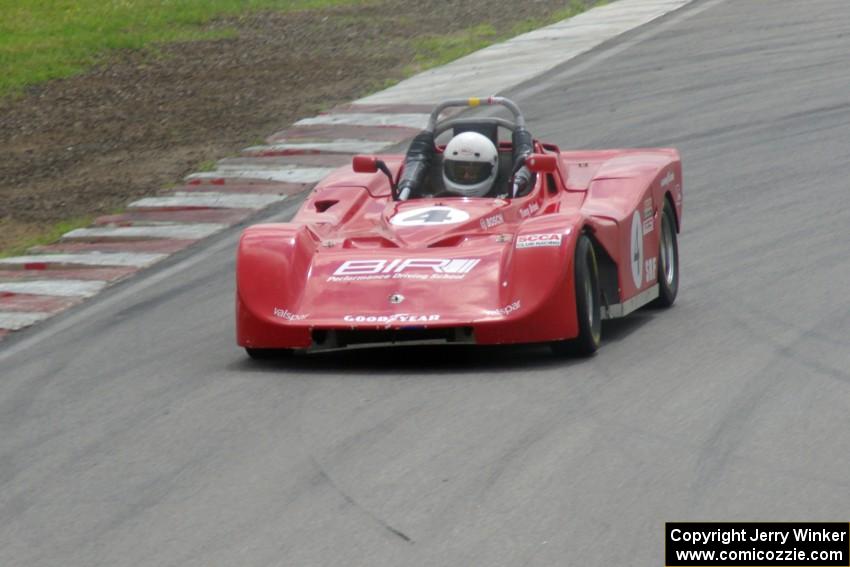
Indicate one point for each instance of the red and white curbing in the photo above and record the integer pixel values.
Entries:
(56, 288)
(51, 278)
(207, 200)
(333, 147)
(42, 261)
(416, 121)
(12, 321)
(281, 174)
(146, 232)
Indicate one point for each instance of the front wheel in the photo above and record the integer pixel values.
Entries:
(588, 303)
(668, 259)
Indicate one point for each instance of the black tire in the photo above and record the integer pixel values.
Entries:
(668, 259)
(588, 303)
(267, 353)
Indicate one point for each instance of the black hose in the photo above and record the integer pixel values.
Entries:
(417, 162)
(523, 144)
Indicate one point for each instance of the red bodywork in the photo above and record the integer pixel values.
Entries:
(354, 266)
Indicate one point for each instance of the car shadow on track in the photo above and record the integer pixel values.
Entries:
(442, 359)
(439, 359)
(616, 330)
(416, 360)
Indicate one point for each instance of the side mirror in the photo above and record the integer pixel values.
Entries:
(542, 163)
(365, 164)
(371, 164)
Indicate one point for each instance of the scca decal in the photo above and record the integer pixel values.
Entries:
(538, 240)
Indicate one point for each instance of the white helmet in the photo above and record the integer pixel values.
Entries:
(470, 164)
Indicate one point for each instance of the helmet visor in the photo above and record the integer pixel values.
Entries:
(467, 172)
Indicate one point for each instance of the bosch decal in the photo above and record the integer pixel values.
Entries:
(538, 240)
(490, 222)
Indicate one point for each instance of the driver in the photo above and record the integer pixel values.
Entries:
(470, 165)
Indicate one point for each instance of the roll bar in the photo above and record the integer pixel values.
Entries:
(419, 155)
(473, 102)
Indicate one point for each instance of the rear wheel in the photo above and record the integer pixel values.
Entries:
(668, 259)
(588, 303)
(267, 353)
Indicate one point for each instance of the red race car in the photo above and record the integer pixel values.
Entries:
(476, 241)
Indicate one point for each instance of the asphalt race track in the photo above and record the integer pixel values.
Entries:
(134, 432)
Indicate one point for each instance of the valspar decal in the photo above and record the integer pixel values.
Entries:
(504, 311)
(636, 253)
(394, 318)
(288, 315)
(430, 216)
(538, 240)
(404, 268)
(668, 179)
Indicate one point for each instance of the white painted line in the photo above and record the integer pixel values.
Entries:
(61, 288)
(123, 259)
(502, 66)
(13, 321)
(282, 174)
(417, 121)
(209, 200)
(177, 231)
(342, 146)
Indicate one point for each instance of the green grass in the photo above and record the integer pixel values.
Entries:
(574, 8)
(206, 165)
(50, 235)
(436, 50)
(48, 39)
